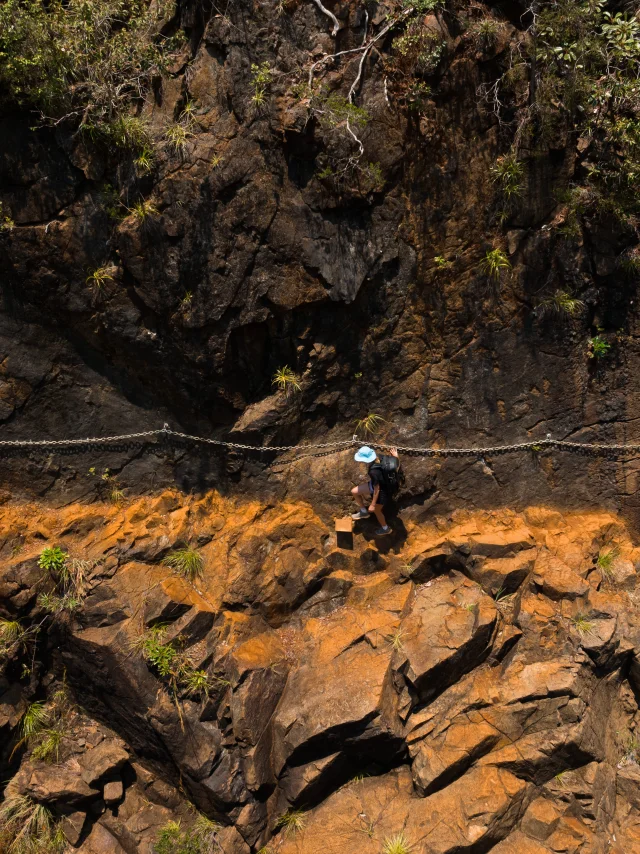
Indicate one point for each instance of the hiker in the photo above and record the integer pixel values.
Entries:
(384, 479)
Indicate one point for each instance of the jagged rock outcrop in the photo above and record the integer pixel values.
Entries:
(344, 709)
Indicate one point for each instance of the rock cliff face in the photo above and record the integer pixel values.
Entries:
(469, 684)
(369, 286)
(473, 686)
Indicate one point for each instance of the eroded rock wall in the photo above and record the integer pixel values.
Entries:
(253, 260)
(471, 685)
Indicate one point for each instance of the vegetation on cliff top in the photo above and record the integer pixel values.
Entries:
(87, 61)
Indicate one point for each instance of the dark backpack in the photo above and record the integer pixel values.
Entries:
(392, 473)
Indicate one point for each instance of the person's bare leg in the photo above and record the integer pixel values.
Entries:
(358, 497)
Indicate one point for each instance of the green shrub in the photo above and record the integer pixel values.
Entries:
(88, 60)
(173, 665)
(598, 347)
(54, 560)
(419, 49)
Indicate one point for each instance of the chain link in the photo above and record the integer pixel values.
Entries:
(537, 445)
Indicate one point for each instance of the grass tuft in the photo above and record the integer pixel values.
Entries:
(606, 560)
(27, 827)
(292, 821)
(582, 624)
(186, 562)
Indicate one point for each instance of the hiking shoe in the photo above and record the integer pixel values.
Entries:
(361, 514)
(382, 532)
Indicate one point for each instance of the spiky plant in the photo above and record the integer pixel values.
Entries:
(54, 604)
(562, 303)
(178, 135)
(145, 160)
(187, 562)
(142, 210)
(291, 821)
(508, 171)
(286, 380)
(34, 720)
(116, 495)
(582, 624)
(200, 838)
(493, 263)
(196, 683)
(48, 744)
(397, 844)
(395, 639)
(98, 277)
(370, 424)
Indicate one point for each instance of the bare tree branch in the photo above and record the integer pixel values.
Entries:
(325, 11)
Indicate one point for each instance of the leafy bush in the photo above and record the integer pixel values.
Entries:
(173, 666)
(88, 60)
(186, 562)
(54, 560)
(69, 576)
(419, 48)
(598, 347)
(578, 78)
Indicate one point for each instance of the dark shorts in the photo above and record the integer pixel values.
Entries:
(383, 498)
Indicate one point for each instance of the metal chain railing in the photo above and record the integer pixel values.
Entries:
(166, 432)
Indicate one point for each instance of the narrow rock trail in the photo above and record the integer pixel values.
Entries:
(470, 684)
